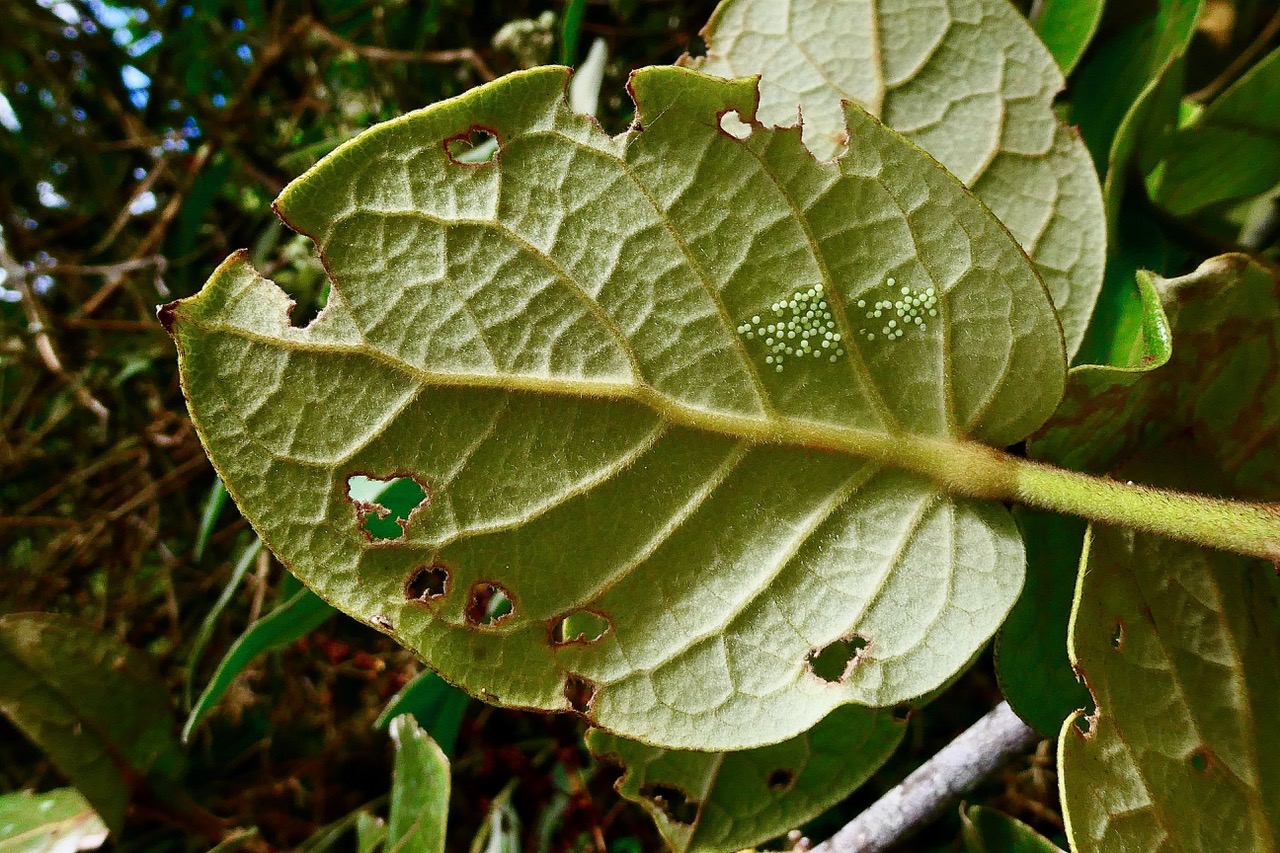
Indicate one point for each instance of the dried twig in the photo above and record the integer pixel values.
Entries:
(979, 751)
(384, 54)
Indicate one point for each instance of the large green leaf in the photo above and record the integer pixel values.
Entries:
(989, 831)
(967, 81)
(1067, 27)
(567, 348)
(92, 704)
(727, 801)
(1181, 648)
(1179, 645)
(58, 821)
(1231, 151)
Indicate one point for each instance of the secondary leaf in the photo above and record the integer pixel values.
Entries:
(60, 821)
(1031, 649)
(567, 348)
(93, 705)
(1066, 27)
(989, 831)
(1181, 649)
(968, 82)
(437, 706)
(298, 616)
(727, 801)
(419, 792)
(1230, 152)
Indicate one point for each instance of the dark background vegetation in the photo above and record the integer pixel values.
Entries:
(139, 145)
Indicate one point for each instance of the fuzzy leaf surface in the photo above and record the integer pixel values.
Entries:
(968, 81)
(706, 802)
(56, 821)
(558, 346)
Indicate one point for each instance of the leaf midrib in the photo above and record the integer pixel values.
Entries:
(934, 457)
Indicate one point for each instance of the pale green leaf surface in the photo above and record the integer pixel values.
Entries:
(371, 832)
(1232, 149)
(1181, 648)
(91, 704)
(419, 791)
(727, 801)
(967, 80)
(1066, 27)
(986, 830)
(59, 821)
(436, 704)
(550, 344)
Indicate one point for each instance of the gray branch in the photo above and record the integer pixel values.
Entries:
(979, 751)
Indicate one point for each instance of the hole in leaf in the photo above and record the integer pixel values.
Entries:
(781, 778)
(1200, 760)
(385, 505)
(476, 147)
(673, 802)
(834, 662)
(579, 692)
(901, 713)
(731, 123)
(1084, 725)
(489, 605)
(427, 584)
(581, 626)
(1117, 636)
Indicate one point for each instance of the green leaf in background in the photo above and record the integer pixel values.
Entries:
(595, 310)
(500, 832)
(93, 705)
(419, 791)
(59, 821)
(1031, 649)
(371, 832)
(436, 704)
(1108, 86)
(1181, 649)
(295, 618)
(209, 623)
(727, 801)
(1232, 149)
(1066, 27)
(967, 81)
(989, 831)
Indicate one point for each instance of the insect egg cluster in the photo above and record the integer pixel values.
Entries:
(797, 327)
(906, 308)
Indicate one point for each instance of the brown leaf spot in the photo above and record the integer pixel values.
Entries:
(781, 779)
(835, 662)
(427, 583)
(579, 627)
(490, 604)
(579, 692)
(673, 802)
(1201, 760)
(1117, 636)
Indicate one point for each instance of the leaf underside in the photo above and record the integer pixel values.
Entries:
(966, 80)
(561, 347)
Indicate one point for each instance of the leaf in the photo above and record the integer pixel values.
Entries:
(989, 831)
(1034, 671)
(1181, 649)
(59, 821)
(500, 832)
(1066, 27)
(210, 622)
(595, 430)
(92, 705)
(968, 82)
(419, 791)
(1217, 386)
(436, 704)
(371, 833)
(1231, 151)
(726, 801)
(1179, 645)
(295, 618)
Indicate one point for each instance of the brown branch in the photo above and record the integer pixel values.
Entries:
(435, 57)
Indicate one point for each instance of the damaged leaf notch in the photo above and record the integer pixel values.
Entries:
(386, 506)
